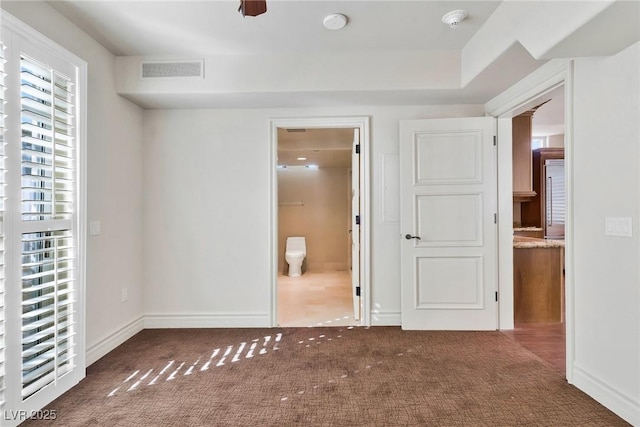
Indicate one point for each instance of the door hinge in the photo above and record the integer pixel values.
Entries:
(496, 296)
(357, 219)
(495, 218)
(495, 140)
(357, 148)
(357, 291)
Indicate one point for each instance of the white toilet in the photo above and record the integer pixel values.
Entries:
(295, 251)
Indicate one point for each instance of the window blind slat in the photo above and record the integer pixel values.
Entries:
(35, 337)
(34, 68)
(37, 82)
(38, 348)
(33, 386)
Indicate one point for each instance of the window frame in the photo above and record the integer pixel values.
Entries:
(20, 39)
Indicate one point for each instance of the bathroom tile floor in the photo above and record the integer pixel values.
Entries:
(316, 299)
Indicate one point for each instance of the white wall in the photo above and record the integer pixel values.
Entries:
(207, 212)
(607, 184)
(114, 183)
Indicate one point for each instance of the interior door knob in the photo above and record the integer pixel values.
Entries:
(409, 237)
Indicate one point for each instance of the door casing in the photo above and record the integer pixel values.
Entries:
(361, 123)
(515, 100)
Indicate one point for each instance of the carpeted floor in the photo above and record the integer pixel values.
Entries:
(378, 376)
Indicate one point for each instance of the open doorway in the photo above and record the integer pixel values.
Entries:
(539, 212)
(317, 202)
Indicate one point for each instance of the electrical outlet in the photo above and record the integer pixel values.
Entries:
(125, 294)
(618, 226)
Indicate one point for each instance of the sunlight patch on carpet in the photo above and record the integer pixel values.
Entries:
(269, 343)
(245, 350)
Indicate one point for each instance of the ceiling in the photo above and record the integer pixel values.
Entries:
(391, 52)
(379, 33)
(210, 27)
(215, 28)
(325, 148)
(549, 118)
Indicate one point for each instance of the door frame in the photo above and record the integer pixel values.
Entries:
(515, 100)
(362, 123)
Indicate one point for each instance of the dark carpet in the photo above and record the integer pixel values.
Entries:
(380, 376)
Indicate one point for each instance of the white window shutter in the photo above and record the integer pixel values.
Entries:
(47, 120)
(2, 239)
(42, 240)
(48, 257)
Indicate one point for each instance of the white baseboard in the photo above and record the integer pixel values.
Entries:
(105, 345)
(393, 318)
(161, 321)
(621, 405)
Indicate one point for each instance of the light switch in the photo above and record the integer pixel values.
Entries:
(618, 226)
(94, 228)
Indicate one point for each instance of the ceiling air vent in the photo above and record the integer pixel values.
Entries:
(172, 69)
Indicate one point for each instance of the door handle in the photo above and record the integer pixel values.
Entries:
(409, 237)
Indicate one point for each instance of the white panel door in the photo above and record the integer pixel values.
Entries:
(355, 224)
(448, 201)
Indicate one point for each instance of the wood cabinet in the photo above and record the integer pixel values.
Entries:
(538, 233)
(533, 213)
(522, 161)
(538, 280)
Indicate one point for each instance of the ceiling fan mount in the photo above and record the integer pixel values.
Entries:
(252, 7)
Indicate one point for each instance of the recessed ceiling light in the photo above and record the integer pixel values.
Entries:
(302, 158)
(335, 21)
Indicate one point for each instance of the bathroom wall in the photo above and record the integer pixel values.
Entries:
(323, 218)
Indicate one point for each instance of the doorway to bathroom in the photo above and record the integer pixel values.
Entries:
(320, 185)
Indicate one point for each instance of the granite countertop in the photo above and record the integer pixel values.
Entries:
(527, 228)
(520, 242)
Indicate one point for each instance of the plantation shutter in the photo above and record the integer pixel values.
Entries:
(2, 209)
(48, 248)
(42, 225)
(42, 240)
